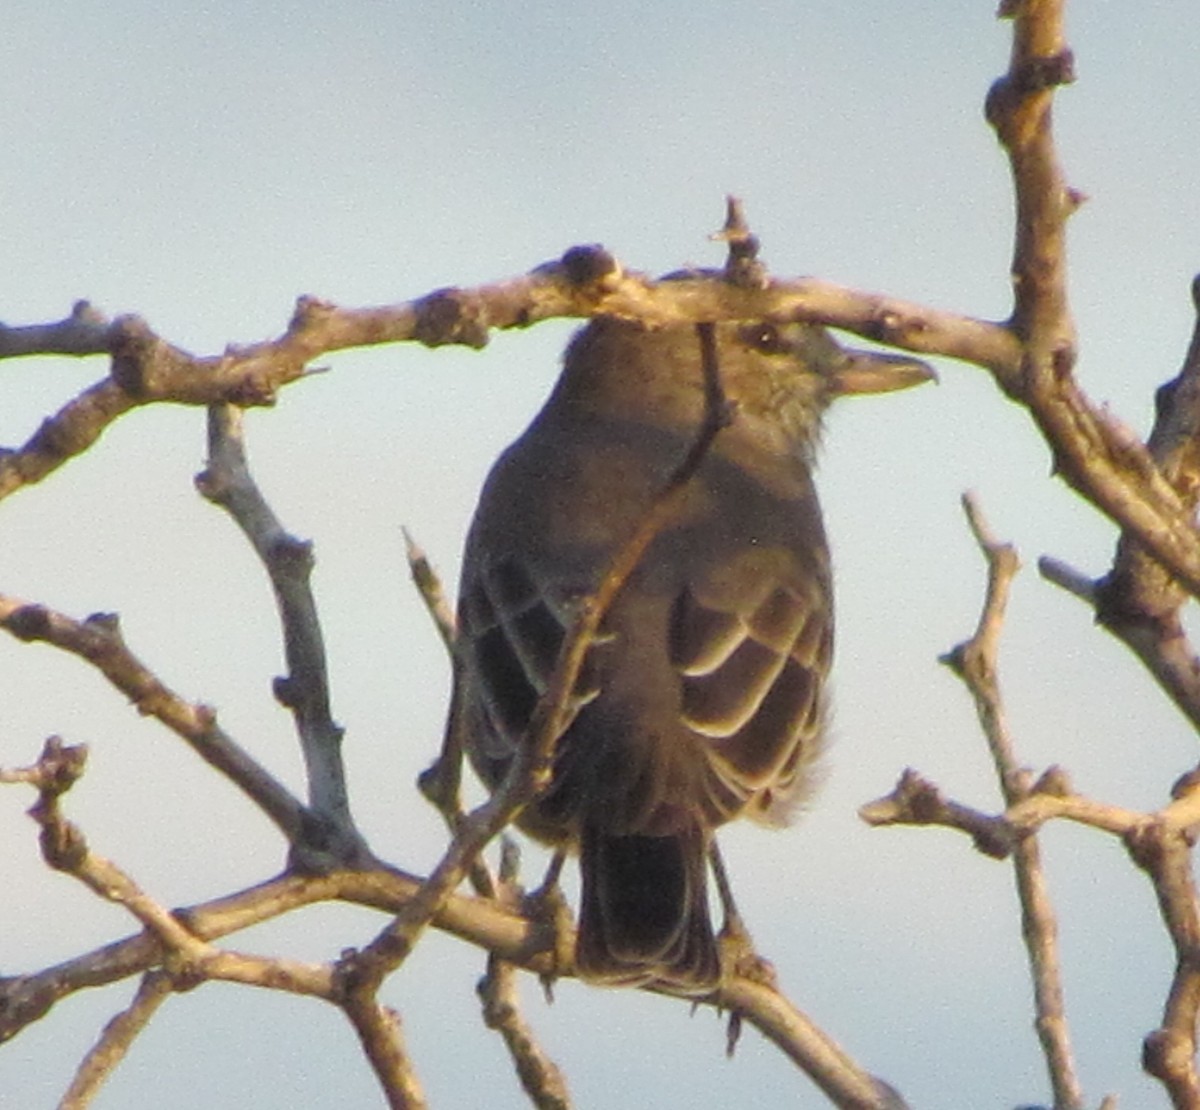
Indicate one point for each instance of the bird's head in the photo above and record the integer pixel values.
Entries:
(779, 376)
(788, 374)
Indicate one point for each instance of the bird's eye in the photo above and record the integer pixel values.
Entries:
(765, 338)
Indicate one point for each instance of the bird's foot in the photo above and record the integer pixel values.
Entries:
(548, 911)
(738, 956)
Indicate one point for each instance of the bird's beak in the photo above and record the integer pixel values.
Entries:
(875, 372)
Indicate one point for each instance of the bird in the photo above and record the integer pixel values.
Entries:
(702, 696)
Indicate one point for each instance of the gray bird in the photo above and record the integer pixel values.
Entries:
(702, 698)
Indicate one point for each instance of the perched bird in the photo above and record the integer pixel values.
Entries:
(702, 697)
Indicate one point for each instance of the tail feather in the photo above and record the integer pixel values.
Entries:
(644, 912)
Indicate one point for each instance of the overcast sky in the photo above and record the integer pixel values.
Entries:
(204, 167)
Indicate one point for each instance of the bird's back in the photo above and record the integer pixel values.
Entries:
(702, 698)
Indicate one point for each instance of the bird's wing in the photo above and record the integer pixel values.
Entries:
(511, 631)
(752, 649)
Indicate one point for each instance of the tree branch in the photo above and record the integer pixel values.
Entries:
(1139, 601)
(586, 281)
(329, 834)
(378, 1029)
(98, 641)
(540, 1076)
(976, 663)
(115, 1040)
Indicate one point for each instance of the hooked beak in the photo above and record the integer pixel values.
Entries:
(876, 372)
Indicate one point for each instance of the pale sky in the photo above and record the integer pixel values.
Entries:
(202, 168)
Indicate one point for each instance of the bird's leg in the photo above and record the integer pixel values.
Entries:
(548, 907)
(738, 956)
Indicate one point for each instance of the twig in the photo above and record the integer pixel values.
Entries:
(189, 959)
(441, 783)
(824, 1061)
(1159, 843)
(916, 801)
(1134, 602)
(84, 332)
(975, 662)
(429, 586)
(26, 998)
(186, 956)
(540, 1077)
(379, 1033)
(98, 641)
(115, 1041)
(329, 835)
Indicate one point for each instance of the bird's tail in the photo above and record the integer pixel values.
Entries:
(643, 914)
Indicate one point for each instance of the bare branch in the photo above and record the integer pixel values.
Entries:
(586, 281)
(378, 1029)
(26, 998)
(84, 332)
(824, 1061)
(1031, 363)
(1095, 454)
(63, 436)
(1019, 107)
(540, 1077)
(98, 641)
(1163, 849)
(115, 1041)
(186, 935)
(1139, 600)
(976, 663)
(917, 801)
(429, 586)
(1160, 843)
(329, 833)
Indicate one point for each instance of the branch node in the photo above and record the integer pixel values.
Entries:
(1053, 782)
(742, 266)
(29, 623)
(590, 265)
(451, 315)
